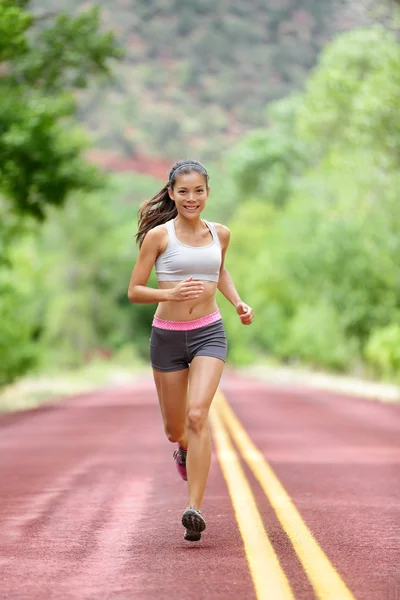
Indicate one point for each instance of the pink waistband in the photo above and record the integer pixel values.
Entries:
(187, 325)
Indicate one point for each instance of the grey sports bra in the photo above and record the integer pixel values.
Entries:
(180, 261)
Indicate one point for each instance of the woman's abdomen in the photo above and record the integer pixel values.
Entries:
(188, 309)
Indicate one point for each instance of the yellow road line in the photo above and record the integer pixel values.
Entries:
(322, 575)
(269, 579)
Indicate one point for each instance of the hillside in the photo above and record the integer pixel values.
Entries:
(198, 73)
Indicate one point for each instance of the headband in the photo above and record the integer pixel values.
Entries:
(187, 165)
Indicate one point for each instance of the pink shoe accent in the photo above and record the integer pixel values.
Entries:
(180, 461)
(187, 325)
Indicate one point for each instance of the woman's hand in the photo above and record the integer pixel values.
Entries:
(245, 312)
(186, 290)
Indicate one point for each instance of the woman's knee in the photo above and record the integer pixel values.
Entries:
(173, 434)
(197, 420)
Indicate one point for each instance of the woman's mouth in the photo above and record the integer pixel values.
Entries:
(191, 208)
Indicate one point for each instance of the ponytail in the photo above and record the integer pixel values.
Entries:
(161, 208)
(156, 211)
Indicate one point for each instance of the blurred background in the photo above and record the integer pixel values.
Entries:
(293, 106)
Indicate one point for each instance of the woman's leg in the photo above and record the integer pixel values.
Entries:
(205, 375)
(172, 389)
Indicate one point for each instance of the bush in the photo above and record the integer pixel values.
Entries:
(17, 351)
(316, 335)
(383, 350)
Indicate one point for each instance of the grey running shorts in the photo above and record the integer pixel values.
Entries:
(175, 350)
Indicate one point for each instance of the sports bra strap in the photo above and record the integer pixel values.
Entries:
(171, 229)
(213, 231)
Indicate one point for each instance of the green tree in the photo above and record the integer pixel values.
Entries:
(87, 251)
(44, 60)
(265, 163)
(351, 106)
(325, 277)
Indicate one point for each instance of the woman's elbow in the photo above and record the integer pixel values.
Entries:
(132, 295)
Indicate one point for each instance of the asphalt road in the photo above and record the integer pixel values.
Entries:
(303, 499)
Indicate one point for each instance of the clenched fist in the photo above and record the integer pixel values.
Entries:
(245, 312)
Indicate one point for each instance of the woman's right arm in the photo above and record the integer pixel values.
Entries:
(138, 292)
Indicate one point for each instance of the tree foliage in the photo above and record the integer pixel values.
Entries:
(342, 113)
(265, 162)
(88, 249)
(44, 60)
(312, 203)
(43, 63)
(325, 279)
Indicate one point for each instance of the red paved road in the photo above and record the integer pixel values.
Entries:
(90, 502)
(339, 459)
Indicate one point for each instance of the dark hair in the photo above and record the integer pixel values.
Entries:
(161, 208)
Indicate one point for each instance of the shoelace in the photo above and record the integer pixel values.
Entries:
(180, 454)
(196, 509)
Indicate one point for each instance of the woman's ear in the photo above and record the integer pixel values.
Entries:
(170, 193)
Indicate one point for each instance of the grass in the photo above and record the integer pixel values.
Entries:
(38, 389)
(272, 371)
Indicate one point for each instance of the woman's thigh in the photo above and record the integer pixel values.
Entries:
(205, 375)
(172, 389)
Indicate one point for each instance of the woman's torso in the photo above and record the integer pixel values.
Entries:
(200, 245)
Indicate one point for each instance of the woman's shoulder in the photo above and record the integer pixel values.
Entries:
(223, 232)
(158, 235)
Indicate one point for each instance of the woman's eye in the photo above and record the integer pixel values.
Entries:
(183, 193)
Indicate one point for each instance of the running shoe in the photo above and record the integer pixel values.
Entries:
(192, 536)
(180, 461)
(194, 524)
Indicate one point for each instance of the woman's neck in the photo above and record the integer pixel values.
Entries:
(189, 225)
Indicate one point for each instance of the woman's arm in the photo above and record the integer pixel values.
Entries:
(227, 287)
(138, 292)
(225, 283)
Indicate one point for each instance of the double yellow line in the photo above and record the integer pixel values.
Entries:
(269, 579)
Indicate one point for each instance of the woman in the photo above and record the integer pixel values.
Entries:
(188, 343)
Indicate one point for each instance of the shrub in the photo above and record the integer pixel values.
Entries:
(17, 351)
(383, 350)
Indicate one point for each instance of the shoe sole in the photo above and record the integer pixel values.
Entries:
(193, 522)
(192, 536)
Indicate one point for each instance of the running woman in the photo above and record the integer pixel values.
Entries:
(188, 343)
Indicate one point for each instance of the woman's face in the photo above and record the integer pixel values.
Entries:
(190, 194)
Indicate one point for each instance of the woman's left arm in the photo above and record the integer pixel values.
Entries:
(225, 283)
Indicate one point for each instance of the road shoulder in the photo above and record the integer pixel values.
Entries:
(287, 376)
